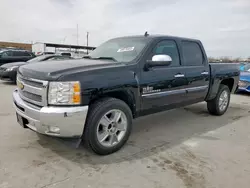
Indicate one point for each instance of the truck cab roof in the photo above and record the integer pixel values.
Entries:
(158, 36)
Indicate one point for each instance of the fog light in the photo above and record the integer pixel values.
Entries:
(53, 129)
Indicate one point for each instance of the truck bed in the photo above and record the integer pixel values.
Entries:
(222, 71)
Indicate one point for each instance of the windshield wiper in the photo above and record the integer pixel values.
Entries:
(108, 58)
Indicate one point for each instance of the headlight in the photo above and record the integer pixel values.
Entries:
(11, 68)
(242, 84)
(64, 93)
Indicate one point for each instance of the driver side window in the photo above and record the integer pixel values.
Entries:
(6, 54)
(168, 47)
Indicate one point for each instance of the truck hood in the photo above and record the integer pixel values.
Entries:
(245, 76)
(8, 65)
(52, 70)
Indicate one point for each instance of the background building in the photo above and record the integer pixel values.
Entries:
(75, 50)
(41, 48)
(24, 46)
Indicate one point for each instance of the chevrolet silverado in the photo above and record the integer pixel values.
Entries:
(96, 98)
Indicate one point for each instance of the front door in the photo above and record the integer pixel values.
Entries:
(163, 87)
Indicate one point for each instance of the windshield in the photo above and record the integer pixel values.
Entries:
(120, 49)
(245, 67)
(36, 59)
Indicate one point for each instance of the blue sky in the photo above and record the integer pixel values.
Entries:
(222, 25)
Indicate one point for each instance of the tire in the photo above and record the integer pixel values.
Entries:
(94, 126)
(13, 79)
(213, 105)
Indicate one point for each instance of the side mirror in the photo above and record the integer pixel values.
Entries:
(158, 61)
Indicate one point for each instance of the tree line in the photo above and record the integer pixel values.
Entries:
(228, 59)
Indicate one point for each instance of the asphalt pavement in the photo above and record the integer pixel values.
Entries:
(181, 148)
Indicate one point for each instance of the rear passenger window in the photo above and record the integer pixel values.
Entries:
(192, 53)
(168, 47)
(17, 54)
(21, 54)
(26, 54)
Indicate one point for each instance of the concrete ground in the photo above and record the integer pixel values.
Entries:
(186, 147)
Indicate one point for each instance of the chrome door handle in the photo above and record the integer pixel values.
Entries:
(204, 73)
(179, 75)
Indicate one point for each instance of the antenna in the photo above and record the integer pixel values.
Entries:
(146, 34)
(87, 42)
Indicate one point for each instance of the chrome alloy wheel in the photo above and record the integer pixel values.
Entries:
(112, 128)
(223, 100)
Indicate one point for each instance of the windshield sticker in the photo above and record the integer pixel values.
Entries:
(128, 49)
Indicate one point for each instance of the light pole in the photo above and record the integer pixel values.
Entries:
(87, 42)
(77, 35)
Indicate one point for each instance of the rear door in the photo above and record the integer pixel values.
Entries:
(163, 87)
(27, 56)
(22, 56)
(196, 70)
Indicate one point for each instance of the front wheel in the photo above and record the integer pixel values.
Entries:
(219, 105)
(108, 126)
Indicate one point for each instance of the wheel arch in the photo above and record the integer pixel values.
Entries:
(228, 82)
(124, 95)
(215, 84)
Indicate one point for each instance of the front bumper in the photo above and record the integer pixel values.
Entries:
(69, 121)
(244, 89)
(7, 75)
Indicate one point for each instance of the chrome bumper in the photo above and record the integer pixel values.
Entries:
(53, 121)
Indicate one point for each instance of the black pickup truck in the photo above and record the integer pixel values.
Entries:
(96, 98)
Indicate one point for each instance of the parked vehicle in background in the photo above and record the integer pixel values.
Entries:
(245, 67)
(66, 54)
(11, 55)
(244, 83)
(96, 98)
(63, 53)
(9, 71)
(44, 53)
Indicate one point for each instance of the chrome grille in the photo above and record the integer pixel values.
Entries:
(32, 83)
(32, 96)
(32, 91)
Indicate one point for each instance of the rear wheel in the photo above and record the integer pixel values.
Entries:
(219, 105)
(108, 126)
